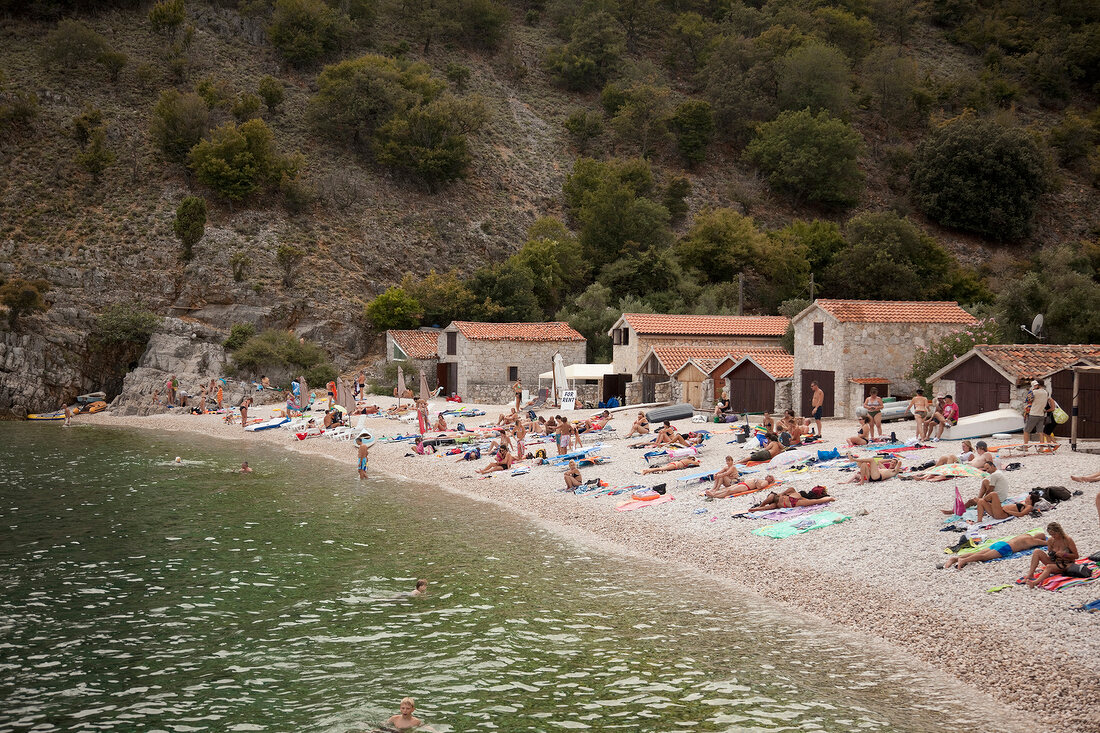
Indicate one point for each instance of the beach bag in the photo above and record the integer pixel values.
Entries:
(1056, 494)
(659, 488)
(1060, 415)
(1078, 570)
(730, 418)
(827, 455)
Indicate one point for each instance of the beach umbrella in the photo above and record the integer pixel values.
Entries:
(400, 383)
(957, 469)
(423, 386)
(344, 395)
(303, 393)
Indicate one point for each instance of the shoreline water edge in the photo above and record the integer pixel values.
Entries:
(874, 574)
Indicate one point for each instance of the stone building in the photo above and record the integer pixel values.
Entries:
(694, 373)
(414, 350)
(481, 361)
(634, 334)
(851, 346)
(991, 377)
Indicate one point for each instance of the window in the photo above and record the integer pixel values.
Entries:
(398, 354)
(626, 337)
(617, 336)
(513, 374)
(819, 333)
(452, 343)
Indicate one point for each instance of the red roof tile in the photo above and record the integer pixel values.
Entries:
(776, 362)
(1028, 361)
(552, 331)
(869, 380)
(896, 311)
(658, 323)
(416, 344)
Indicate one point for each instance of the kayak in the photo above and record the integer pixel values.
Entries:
(75, 410)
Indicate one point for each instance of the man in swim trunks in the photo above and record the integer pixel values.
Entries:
(997, 550)
(817, 406)
(919, 407)
(364, 450)
(770, 450)
(726, 476)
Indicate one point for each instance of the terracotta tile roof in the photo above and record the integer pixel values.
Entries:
(776, 362)
(896, 311)
(658, 323)
(869, 380)
(1028, 361)
(553, 331)
(416, 344)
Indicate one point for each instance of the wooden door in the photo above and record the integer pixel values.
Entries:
(978, 387)
(649, 388)
(1088, 403)
(825, 380)
(751, 390)
(693, 393)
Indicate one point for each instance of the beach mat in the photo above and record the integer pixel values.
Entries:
(633, 504)
(801, 525)
(985, 545)
(794, 511)
(1059, 582)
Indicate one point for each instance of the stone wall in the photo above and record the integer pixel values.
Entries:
(633, 393)
(854, 350)
(783, 400)
(483, 365)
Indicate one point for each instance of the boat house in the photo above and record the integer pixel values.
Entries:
(851, 346)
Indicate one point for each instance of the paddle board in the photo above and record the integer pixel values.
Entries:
(268, 424)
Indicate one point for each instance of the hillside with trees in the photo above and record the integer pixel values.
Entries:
(338, 167)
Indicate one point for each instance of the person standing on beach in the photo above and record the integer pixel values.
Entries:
(517, 390)
(245, 404)
(817, 406)
(521, 435)
(919, 407)
(68, 412)
(170, 390)
(1036, 406)
(364, 451)
(220, 397)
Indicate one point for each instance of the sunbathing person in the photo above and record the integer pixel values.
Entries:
(770, 450)
(768, 423)
(967, 456)
(640, 426)
(744, 486)
(504, 440)
(398, 409)
(790, 498)
(997, 550)
(501, 462)
(687, 462)
(596, 422)
(440, 424)
(667, 435)
(872, 469)
(1090, 478)
(367, 410)
(1061, 553)
(861, 436)
(726, 476)
(572, 476)
(991, 504)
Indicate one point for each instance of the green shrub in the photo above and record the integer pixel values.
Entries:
(215, 91)
(675, 196)
(22, 297)
(239, 334)
(810, 157)
(393, 308)
(442, 297)
(167, 16)
(1074, 138)
(641, 119)
(592, 54)
(289, 258)
(980, 176)
(72, 45)
(690, 35)
(239, 160)
(189, 225)
(457, 74)
(96, 157)
(179, 122)
(273, 350)
(852, 35)
(247, 107)
(429, 141)
(814, 77)
(298, 195)
(304, 31)
(239, 263)
(126, 323)
(891, 78)
(583, 126)
(693, 124)
(321, 374)
(820, 240)
(481, 23)
(271, 92)
(17, 111)
(929, 360)
(85, 124)
(114, 62)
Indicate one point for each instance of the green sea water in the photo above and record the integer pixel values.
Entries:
(137, 595)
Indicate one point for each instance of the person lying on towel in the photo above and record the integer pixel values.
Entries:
(791, 498)
(745, 485)
(688, 462)
(997, 550)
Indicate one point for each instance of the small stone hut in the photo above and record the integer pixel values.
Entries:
(414, 350)
(849, 346)
(481, 361)
(760, 381)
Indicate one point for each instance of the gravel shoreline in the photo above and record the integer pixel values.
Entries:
(873, 574)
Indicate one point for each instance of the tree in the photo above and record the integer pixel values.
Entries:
(693, 124)
(247, 107)
(85, 124)
(429, 141)
(271, 92)
(553, 257)
(677, 189)
(814, 77)
(71, 45)
(179, 122)
(642, 117)
(810, 157)
(289, 258)
(1064, 285)
(190, 224)
(941, 352)
(239, 334)
(583, 126)
(505, 292)
(592, 315)
(393, 308)
(126, 323)
(690, 34)
(443, 297)
(481, 23)
(96, 157)
(114, 62)
(22, 297)
(239, 160)
(891, 78)
(853, 35)
(980, 176)
(643, 272)
(820, 240)
(592, 54)
(305, 30)
(167, 16)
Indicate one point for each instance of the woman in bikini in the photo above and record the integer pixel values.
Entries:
(572, 476)
(688, 462)
(790, 498)
(640, 426)
(873, 405)
(862, 435)
(871, 469)
(1061, 552)
(744, 486)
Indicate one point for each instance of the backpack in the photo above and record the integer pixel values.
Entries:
(1055, 494)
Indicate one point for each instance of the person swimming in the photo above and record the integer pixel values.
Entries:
(245, 468)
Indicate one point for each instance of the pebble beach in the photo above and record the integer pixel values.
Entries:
(874, 574)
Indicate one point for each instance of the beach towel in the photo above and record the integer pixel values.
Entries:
(793, 511)
(701, 476)
(957, 469)
(801, 525)
(1058, 582)
(633, 504)
(986, 544)
(1091, 606)
(746, 492)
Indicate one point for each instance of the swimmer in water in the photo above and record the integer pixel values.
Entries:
(421, 588)
(404, 720)
(178, 461)
(245, 468)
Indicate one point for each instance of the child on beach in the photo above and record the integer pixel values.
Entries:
(364, 451)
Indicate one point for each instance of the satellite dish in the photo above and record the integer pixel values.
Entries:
(1036, 327)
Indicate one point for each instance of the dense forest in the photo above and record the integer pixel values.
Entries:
(419, 161)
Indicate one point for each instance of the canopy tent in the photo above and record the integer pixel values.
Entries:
(574, 372)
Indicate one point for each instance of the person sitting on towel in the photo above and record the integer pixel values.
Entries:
(501, 462)
(440, 424)
(688, 462)
(991, 504)
(667, 435)
(1060, 554)
(861, 436)
(745, 485)
(770, 450)
(640, 426)
(572, 476)
(726, 476)
(997, 550)
(791, 497)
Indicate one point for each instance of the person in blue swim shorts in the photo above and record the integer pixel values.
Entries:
(364, 450)
(997, 550)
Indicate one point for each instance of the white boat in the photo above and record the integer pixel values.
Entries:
(268, 424)
(890, 411)
(986, 424)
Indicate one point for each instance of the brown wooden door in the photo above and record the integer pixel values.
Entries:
(447, 377)
(1088, 403)
(649, 387)
(825, 380)
(978, 387)
(751, 390)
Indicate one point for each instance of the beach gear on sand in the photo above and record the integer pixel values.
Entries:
(268, 424)
(957, 469)
(633, 504)
(1058, 582)
(681, 411)
(801, 525)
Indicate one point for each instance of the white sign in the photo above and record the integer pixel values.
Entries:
(569, 399)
